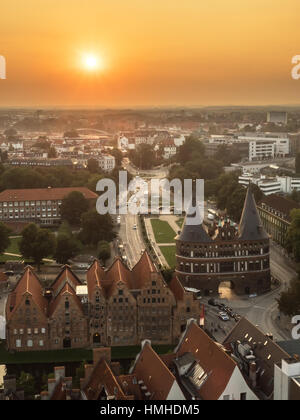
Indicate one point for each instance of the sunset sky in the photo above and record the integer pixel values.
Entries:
(149, 52)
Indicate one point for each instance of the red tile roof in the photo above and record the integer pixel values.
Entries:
(3, 277)
(107, 280)
(176, 288)
(141, 272)
(65, 276)
(28, 284)
(154, 373)
(103, 377)
(95, 276)
(44, 194)
(67, 290)
(213, 359)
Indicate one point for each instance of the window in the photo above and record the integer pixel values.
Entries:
(15, 332)
(18, 343)
(41, 343)
(29, 331)
(43, 330)
(36, 331)
(226, 397)
(243, 396)
(29, 343)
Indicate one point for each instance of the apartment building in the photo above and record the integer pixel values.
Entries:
(107, 162)
(274, 212)
(266, 146)
(271, 185)
(41, 205)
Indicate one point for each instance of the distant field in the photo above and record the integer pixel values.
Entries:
(163, 232)
(169, 254)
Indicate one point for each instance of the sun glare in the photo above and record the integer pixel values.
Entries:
(91, 62)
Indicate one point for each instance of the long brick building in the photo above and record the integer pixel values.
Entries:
(116, 307)
(38, 205)
(239, 256)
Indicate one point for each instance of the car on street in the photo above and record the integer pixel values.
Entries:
(223, 316)
(212, 302)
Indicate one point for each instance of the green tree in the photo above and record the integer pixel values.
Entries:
(118, 155)
(36, 243)
(79, 374)
(104, 252)
(143, 157)
(52, 153)
(26, 383)
(289, 301)
(67, 247)
(4, 237)
(93, 165)
(168, 274)
(192, 147)
(96, 227)
(293, 235)
(73, 206)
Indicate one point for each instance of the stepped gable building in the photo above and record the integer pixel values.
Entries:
(116, 307)
(239, 256)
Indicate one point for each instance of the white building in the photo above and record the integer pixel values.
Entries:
(201, 363)
(266, 146)
(107, 162)
(287, 380)
(275, 185)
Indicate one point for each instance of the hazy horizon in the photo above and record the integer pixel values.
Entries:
(150, 53)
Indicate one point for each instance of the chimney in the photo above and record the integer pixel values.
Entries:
(252, 374)
(44, 396)
(59, 372)
(51, 386)
(102, 353)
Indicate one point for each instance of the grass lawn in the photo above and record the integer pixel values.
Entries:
(180, 221)
(12, 249)
(169, 254)
(163, 232)
(71, 355)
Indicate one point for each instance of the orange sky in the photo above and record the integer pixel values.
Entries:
(156, 52)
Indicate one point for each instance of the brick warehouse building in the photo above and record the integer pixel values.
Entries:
(116, 307)
(38, 205)
(239, 256)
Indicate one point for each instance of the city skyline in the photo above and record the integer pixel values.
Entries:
(145, 54)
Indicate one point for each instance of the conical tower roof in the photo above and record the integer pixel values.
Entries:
(193, 232)
(250, 228)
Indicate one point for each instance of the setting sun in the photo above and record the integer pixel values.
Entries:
(91, 62)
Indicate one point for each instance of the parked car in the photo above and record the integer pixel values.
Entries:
(223, 316)
(212, 302)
